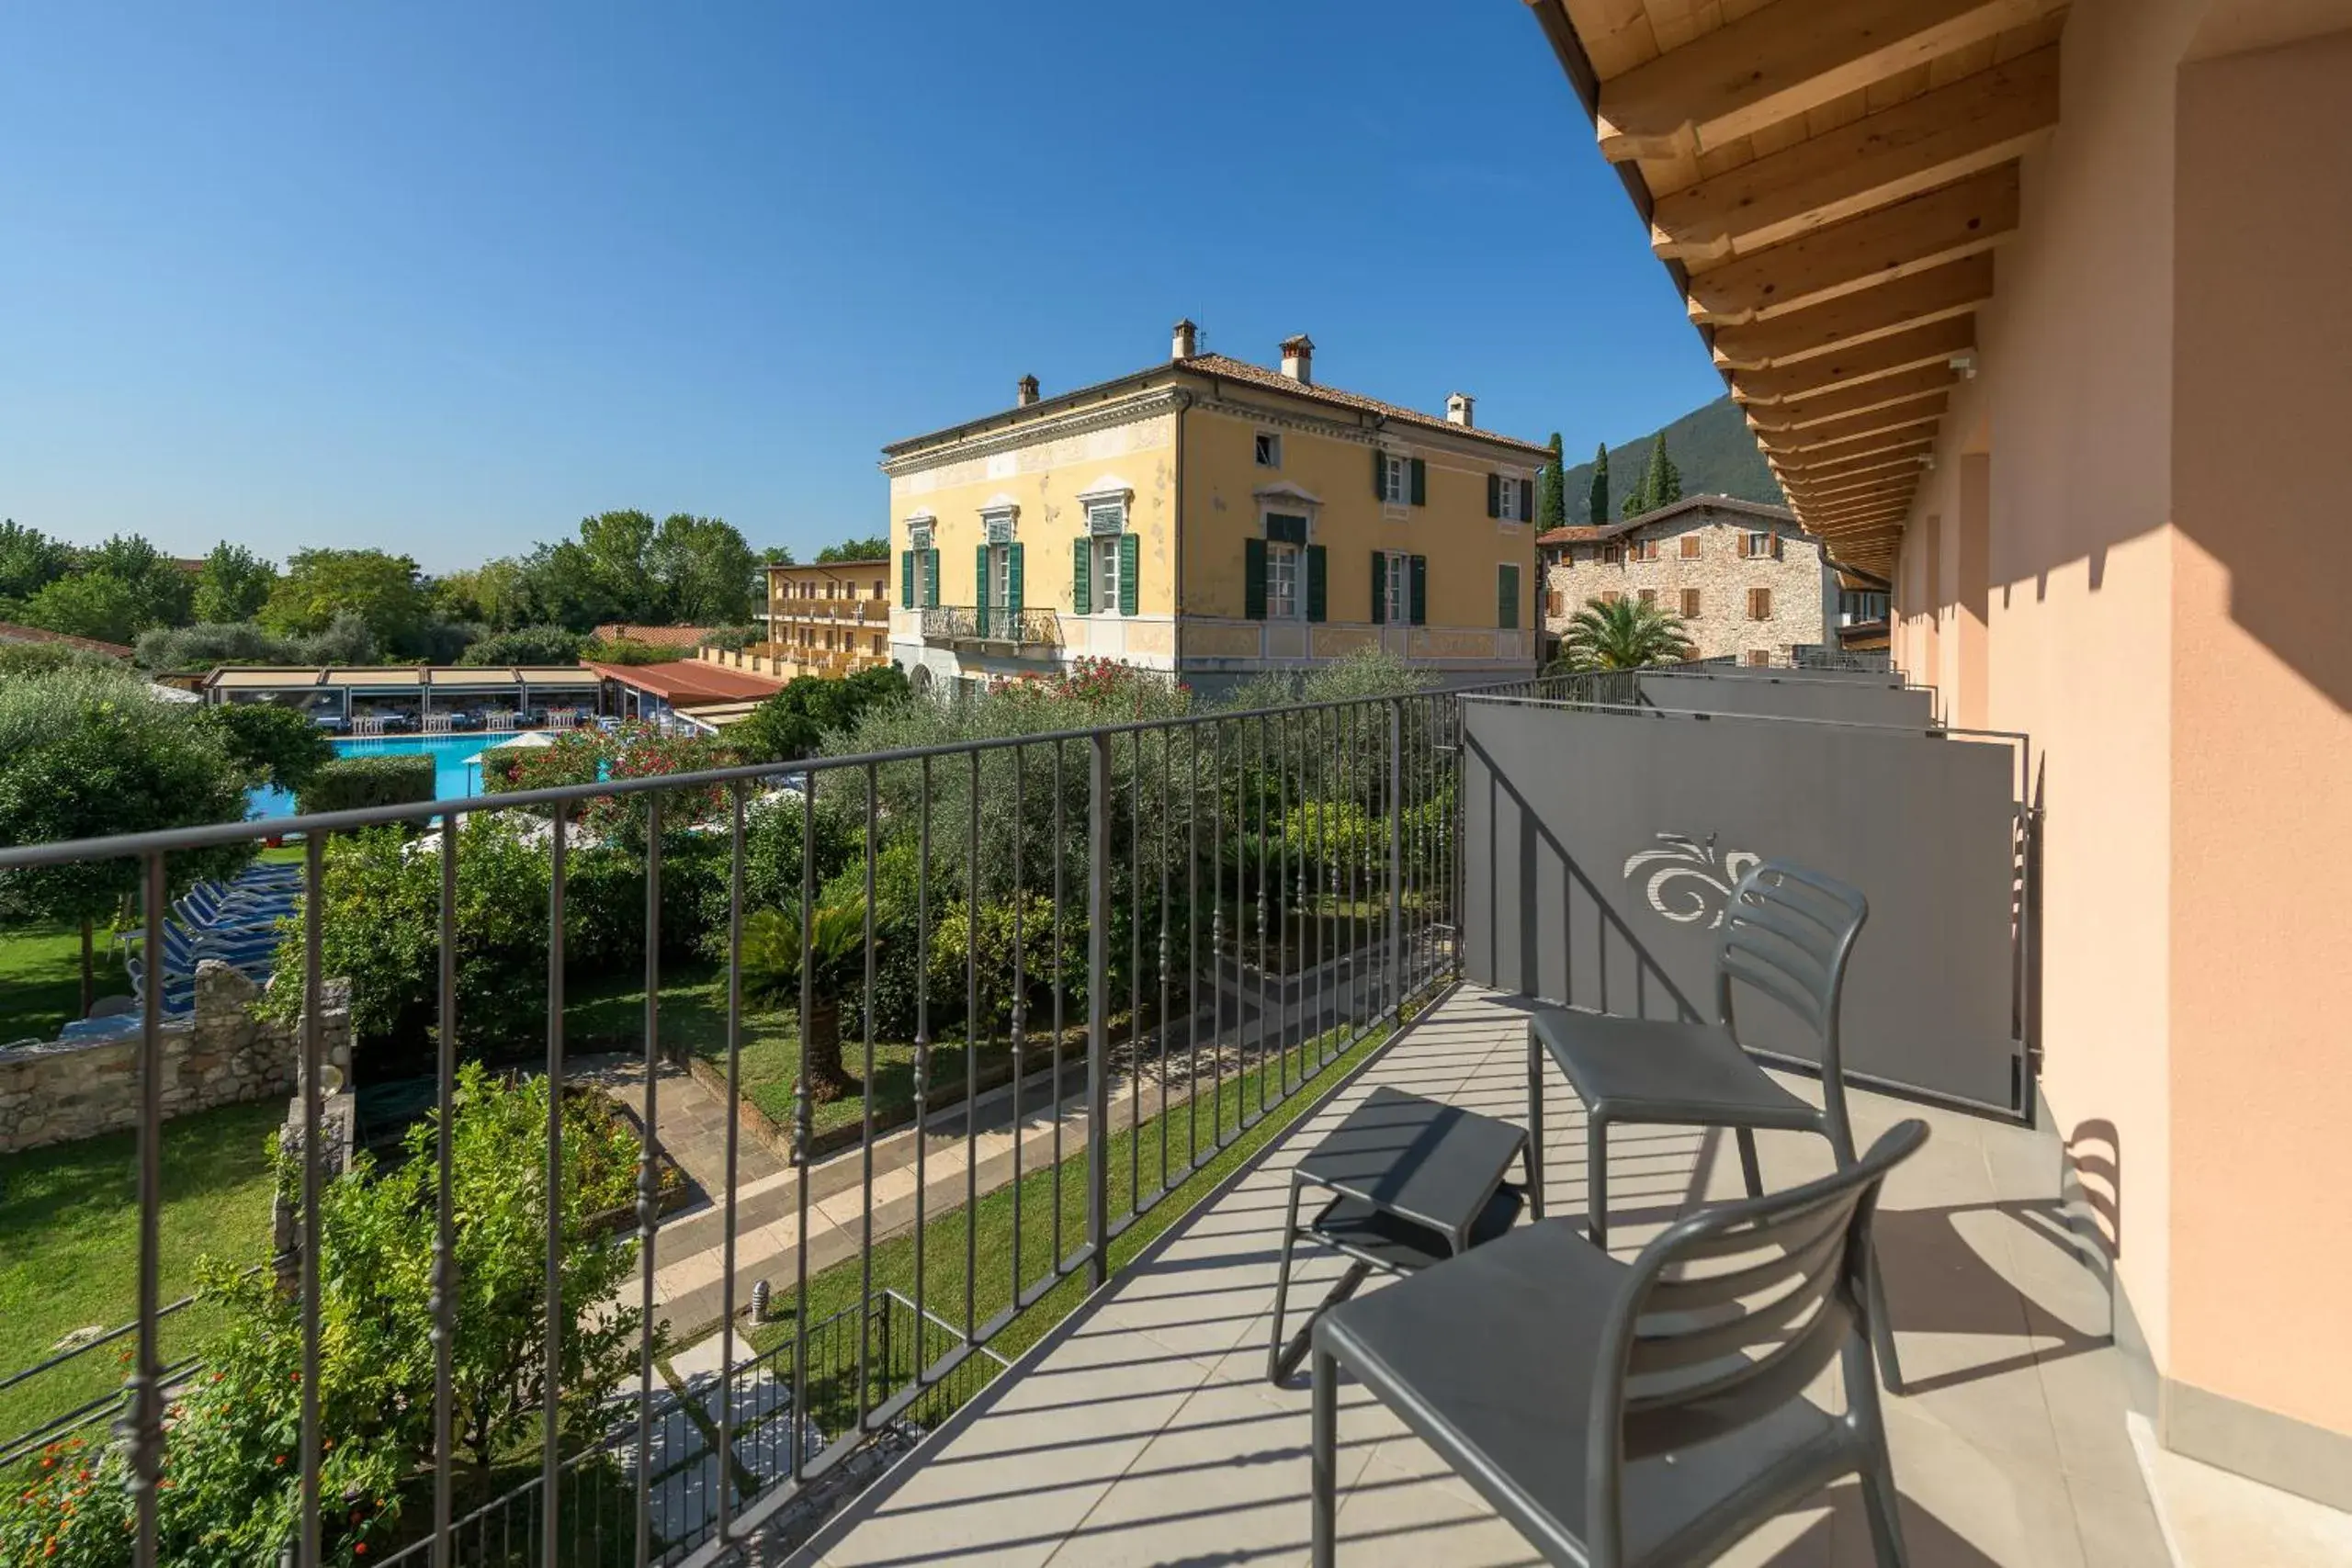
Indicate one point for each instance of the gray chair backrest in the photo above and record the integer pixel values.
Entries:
(1727, 1316)
(1788, 932)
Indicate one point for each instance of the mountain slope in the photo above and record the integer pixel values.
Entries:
(1711, 445)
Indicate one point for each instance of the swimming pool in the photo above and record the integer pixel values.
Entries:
(453, 779)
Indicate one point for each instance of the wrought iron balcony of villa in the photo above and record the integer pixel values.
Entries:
(991, 623)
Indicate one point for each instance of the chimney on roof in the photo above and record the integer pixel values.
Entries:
(1299, 359)
(1186, 334)
(1457, 410)
(1026, 391)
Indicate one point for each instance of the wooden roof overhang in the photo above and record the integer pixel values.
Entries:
(1827, 182)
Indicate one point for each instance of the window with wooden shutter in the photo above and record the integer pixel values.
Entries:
(931, 583)
(1612, 597)
(1776, 546)
(1253, 578)
(1689, 547)
(1418, 600)
(906, 579)
(1420, 483)
(1743, 547)
(1379, 475)
(1555, 602)
(1494, 495)
(1690, 604)
(1130, 568)
(1759, 655)
(1318, 583)
(1759, 603)
(1012, 579)
(1649, 597)
(1527, 501)
(1507, 596)
(1379, 588)
(1081, 576)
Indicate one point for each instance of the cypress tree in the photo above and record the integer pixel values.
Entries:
(1666, 483)
(1551, 497)
(1661, 482)
(1596, 508)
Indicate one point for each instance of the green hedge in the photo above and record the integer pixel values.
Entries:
(349, 783)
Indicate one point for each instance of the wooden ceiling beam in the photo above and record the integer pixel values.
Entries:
(1804, 494)
(1977, 123)
(1854, 427)
(1860, 522)
(1871, 466)
(1833, 514)
(1934, 344)
(1813, 459)
(1873, 399)
(1943, 225)
(1780, 61)
(1955, 288)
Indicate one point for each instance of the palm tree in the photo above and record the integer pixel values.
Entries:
(772, 954)
(1623, 635)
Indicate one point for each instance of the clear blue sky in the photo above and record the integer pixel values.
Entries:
(445, 277)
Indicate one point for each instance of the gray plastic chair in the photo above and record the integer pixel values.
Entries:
(1787, 932)
(1643, 1414)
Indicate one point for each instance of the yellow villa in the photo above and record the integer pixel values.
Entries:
(829, 618)
(1212, 519)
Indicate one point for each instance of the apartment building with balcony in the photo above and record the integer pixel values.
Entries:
(1746, 579)
(828, 617)
(1213, 519)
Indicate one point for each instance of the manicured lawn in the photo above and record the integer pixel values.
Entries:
(608, 1014)
(40, 978)
(69, 1246)
(943, 1238)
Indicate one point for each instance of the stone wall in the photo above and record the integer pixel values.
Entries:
(1576, 573)
(218, 1055)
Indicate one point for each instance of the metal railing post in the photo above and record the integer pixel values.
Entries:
(1397, 853)
(1098, 1022)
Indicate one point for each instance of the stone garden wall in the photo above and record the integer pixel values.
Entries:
(221, 1054)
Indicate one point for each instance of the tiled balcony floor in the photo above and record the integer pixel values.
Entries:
(1143, 1431)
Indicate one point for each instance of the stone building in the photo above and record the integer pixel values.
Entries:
(1747, 582)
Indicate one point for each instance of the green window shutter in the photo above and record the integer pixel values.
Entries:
(1013, 586)
(1527, 501)
(1316, 582)
(906, 579)
(1130, 562)
(1494, 495)
(1420, 483)
(1506, 597)
(1379, 474)
(1420, 590)
(981, 587)
(1253, 578)
(1081, 576)
(1379, 587)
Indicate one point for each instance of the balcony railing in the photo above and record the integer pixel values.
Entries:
(992, 623)
(863, 609)
(1181, 925)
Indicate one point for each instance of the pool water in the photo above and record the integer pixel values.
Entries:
(453, 778)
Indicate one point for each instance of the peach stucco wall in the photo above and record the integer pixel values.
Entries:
(2262, 740)
(2065, 426)
(2145, 455)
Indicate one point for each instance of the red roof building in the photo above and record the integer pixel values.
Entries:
(646, 691)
